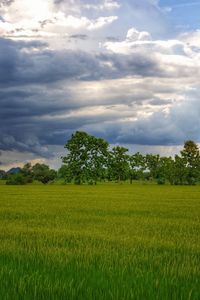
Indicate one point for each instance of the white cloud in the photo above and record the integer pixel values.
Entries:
(173, 57)
(38, 18)
(103, 5)
(138, 89)
(192, 39)
(135, 35)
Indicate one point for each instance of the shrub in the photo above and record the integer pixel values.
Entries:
(161, 180)
(16, 179)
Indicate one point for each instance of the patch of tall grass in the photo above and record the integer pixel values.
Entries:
(99, 242)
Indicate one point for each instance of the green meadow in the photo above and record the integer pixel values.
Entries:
(99, 242)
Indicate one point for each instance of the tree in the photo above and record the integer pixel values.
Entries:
(43, 173)
(137, 166)
(191, 161)
(118, 163)
(165, 170)
(179, 171)
(97, 162)
(86, 158)
(152, 164)
(65, 173)
(27, 172)
(2, 174)
(77, 157)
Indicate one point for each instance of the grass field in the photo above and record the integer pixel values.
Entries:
(99, 242)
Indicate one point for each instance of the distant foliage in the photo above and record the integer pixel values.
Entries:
(16, 179)
(28, 174)
(90, 160)
(3, 175)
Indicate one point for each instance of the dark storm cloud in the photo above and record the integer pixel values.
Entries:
(0, 156)
(12, 60)
(39, 109)
(33, 117)
(161, 129)
(22, 119)
(134, 64)
(30, 102)
(19, 67)
(32, 134)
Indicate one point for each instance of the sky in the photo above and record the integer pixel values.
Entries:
(127, 71)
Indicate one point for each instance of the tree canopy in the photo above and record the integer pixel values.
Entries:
(91, 159)
(86, 158)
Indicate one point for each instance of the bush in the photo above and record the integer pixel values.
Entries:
(43, 173)
(16, 179)
(161, 181)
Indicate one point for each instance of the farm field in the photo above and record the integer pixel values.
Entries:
(99, 242)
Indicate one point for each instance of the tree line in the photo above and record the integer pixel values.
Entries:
(90, 160)
(29, 173)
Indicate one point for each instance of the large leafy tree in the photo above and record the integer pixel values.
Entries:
(152, 164)
(178, 172)
(64, 173)
(165, 170)
(77, 157)
(119, 163)
(97, 162)
(86, 158)
(191, 161)
(27, 172)
(136, 166)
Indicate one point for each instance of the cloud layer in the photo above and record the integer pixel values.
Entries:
(64, 70)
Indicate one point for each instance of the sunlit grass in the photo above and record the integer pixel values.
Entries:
(99, 242)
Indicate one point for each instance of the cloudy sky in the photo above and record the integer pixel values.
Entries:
(127, 71)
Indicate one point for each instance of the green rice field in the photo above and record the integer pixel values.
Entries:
(99, 242)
